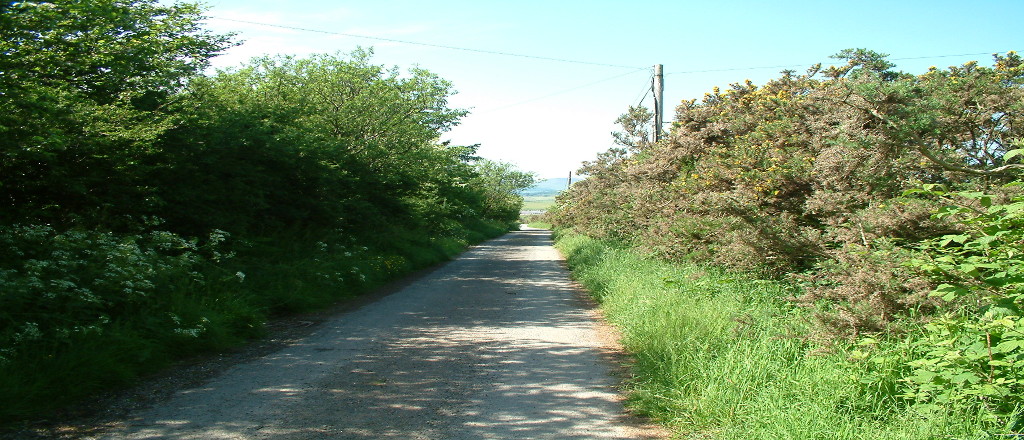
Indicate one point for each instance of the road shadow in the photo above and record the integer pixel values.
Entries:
(497, 344)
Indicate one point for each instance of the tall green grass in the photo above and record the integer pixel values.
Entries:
(721, 356)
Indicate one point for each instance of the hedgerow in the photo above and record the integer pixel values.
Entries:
(888, 197)
(150, 211)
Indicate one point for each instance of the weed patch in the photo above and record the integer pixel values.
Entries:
(729, 356)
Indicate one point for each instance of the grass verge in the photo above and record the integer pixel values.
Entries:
(721, 356)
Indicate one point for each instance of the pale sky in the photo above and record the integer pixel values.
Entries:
(548, 116)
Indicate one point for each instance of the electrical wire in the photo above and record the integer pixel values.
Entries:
(942, 56)
(733, 69)
(645, 91)
(562, 60)
(560, 92)
(490, 52)
(416, 43)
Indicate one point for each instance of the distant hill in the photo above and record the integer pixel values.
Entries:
(547, 187)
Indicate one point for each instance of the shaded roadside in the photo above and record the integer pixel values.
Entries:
(496, 344)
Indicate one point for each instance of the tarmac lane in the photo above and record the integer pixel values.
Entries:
(497, 344)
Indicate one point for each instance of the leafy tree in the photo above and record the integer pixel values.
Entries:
(84, 84)
(501, 183)
(322, 141)
(117, 157)
(104, 48)
(862, 61)
(637, 125)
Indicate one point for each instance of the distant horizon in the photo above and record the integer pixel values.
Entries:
(574, 177)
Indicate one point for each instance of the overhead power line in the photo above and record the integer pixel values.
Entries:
(561, 60)
(943, 56)
(733, 69)
(417, 43)
(562, 91)
(643, 93)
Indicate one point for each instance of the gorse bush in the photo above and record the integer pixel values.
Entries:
(806, 175)
(892, 200)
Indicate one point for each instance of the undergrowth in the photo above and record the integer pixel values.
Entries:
(84, 312)
(724, 356)
(149, 211)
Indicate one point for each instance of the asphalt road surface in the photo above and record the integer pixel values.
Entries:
(497, 344)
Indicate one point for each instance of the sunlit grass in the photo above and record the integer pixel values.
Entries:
(722, 356)
(538, 203)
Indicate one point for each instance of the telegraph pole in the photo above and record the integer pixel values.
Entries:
(659, 98)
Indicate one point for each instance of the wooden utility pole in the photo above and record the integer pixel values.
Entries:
(567, 185)
(659, 104)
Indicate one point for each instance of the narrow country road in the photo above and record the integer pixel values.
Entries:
(497, 344)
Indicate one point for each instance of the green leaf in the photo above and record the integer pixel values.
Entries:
(959, 238)
(1008, 346)
(1014, 208)
(987, 240)
(923, 377)
(949, 292)
(1012, 154)
(999, 311)
(966, 377)
(970, 269)
(867, 341)
(971, 194)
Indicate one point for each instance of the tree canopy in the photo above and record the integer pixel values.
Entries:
(84, 89)
(150, 210)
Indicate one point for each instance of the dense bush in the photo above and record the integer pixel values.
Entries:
(973, 354)
(148, 212)
(888, 197)
(806, 175)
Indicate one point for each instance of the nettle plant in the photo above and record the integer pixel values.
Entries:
(974, 354)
